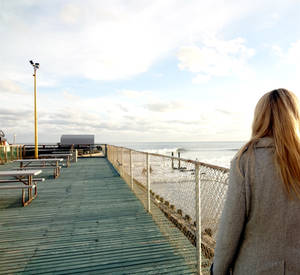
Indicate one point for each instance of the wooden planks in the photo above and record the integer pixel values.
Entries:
(87, 221)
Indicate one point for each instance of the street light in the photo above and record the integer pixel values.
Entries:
(36, 152)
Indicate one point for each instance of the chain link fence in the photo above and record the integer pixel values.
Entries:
(184, 197)
(10, 153)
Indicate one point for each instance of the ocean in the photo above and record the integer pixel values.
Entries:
(216, 153)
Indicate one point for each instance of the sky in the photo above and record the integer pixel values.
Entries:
(143, 70)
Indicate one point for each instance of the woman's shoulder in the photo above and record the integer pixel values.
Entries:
(247, 151)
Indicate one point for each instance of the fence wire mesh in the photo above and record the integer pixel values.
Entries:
(171, 199)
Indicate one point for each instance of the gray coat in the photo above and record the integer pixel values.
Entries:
(259, 232)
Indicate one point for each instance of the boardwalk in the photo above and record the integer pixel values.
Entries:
(86, 221)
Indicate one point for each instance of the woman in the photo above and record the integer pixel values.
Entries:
(259, 232)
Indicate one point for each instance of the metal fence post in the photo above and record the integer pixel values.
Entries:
(198, 217)
(114, 156)
(148, 183)
(131, 170)
(122, 167)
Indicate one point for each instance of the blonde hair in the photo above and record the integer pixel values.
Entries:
(277, 115)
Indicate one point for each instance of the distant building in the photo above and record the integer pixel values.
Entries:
(77, 140)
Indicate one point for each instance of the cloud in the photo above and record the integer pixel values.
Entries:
(215, 58)
(225, 112)
(9, 86)
(70, 13)
(288, 59)
(201, 78)
(164, 106)
(105, 40)
(16, 117)
(134, 94)
(292, 56)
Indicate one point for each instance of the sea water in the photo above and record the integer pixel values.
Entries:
(216, 153)
(178, 186)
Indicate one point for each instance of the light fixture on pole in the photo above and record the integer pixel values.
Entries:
(36, 152)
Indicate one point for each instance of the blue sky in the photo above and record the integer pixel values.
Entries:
(140, 70)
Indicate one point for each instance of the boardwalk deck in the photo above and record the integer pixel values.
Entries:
(87, 221)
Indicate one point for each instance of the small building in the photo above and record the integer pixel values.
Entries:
(2, 138)
(77, 140)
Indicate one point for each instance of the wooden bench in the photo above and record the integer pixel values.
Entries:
(56, 169)
(23, 187)
(26, 180)
(66, 157)
(52, 163)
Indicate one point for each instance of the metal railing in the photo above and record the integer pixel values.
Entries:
(10, 153)
(97, 150)
(184, 197)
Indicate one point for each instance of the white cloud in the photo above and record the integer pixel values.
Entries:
(215, 58)
(289, 58)
(105, 40)
(135, 94)
(292, 56)
(110, 117)
(117, 39)
(277, 50)
(9, 86)
(201, 78)
(70, 13)
(160, 106)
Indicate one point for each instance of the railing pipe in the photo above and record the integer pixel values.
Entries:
(148, 182)
(219, 168)
(122, 164)
(131, 169)
(198, 217)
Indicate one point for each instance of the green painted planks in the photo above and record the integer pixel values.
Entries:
(86, 221)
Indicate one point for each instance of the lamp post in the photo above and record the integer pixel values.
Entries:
(36, 151)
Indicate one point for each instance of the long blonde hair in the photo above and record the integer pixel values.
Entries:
(277, 115)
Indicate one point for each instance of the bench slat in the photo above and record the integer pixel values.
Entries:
(17, 187)
(34, 180)
(40, 167)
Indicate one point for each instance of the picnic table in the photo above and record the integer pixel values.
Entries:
(27, 180)
(67, 157)
(41, 164)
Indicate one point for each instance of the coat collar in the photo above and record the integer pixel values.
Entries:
(265, 142)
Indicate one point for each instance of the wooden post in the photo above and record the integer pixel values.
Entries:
(1, 159)
(148, 183)
(5, 153)
(179, 160)
(172, 160)
(198, 217)
(11, 152)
